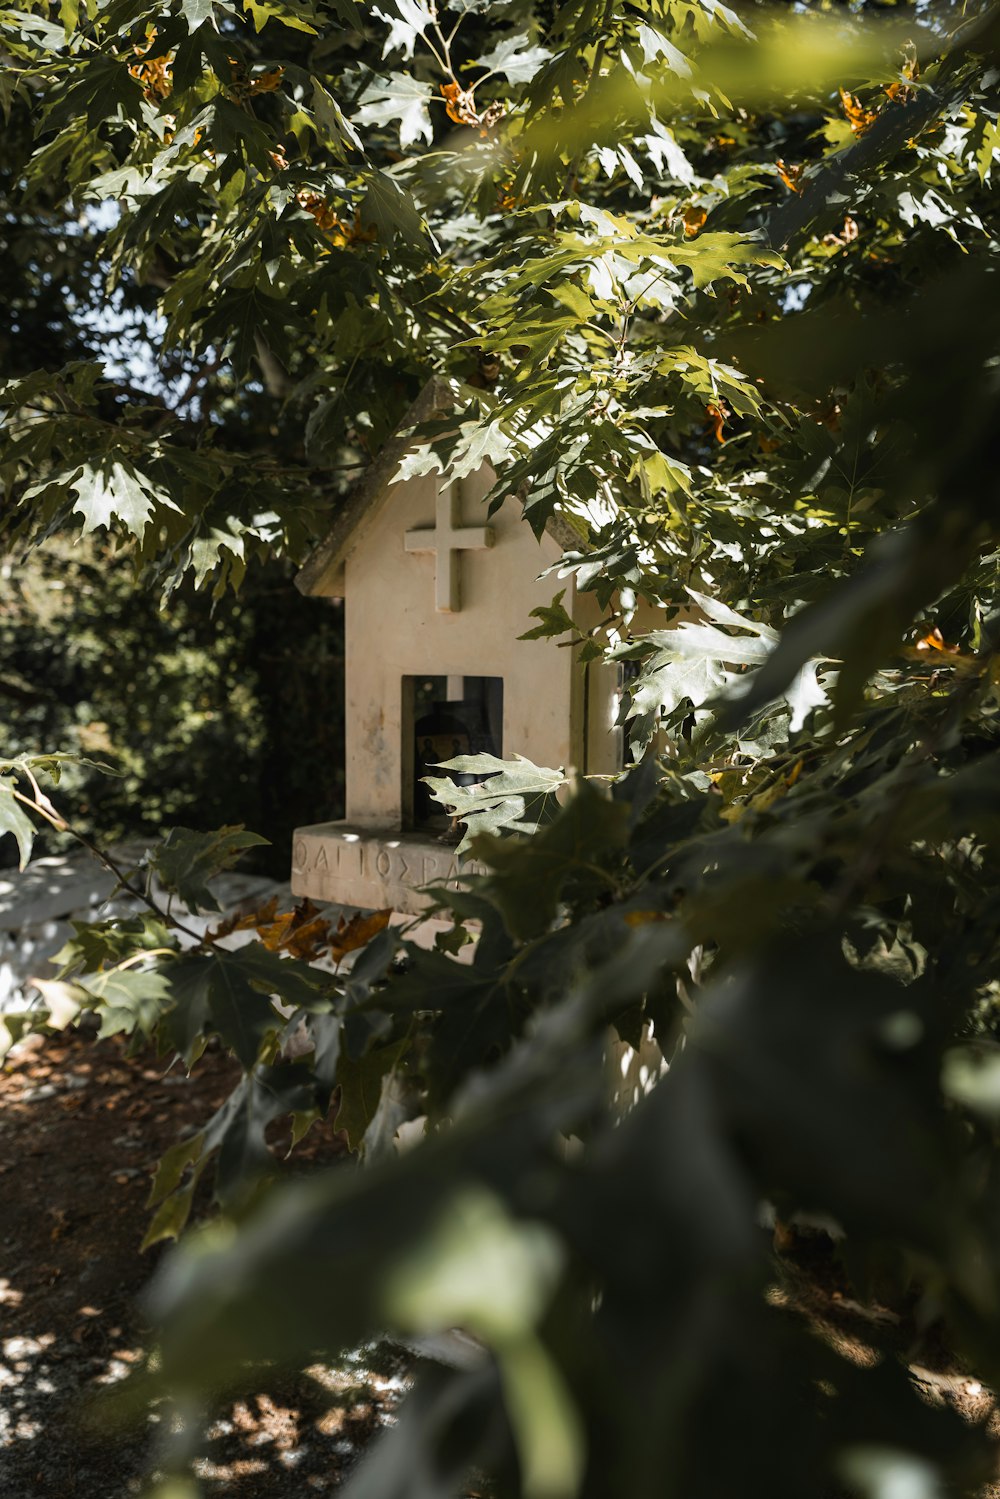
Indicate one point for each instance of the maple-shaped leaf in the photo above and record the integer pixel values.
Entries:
(187, 860)
(401, 98)
(554, 620)
(218, 990)
(717, 256)
(513, 794)
(357, 932)
(410, 21)
(360, 1082)
(302, 933)
(197, 11)
(515, 58)
(527, 876)
(658, 49)
(116, 490)
(263, 11)
(96, 944)
(14, 819)
(479, 443)
(244, 921)
(333, 126)
(391, 210)
(129, 999)
(690, 661)
(693, 662)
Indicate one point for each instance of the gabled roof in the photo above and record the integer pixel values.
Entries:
(323, 571)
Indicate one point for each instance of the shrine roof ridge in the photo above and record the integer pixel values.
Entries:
(322, 572)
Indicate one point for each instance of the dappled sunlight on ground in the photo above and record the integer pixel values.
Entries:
(81, 1129)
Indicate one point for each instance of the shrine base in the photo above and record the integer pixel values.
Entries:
(372, 868)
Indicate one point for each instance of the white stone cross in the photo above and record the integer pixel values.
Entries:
(446, 538)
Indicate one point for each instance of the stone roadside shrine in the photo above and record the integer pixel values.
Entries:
(435, 595)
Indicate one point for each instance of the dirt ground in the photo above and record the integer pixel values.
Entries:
(81, 1129)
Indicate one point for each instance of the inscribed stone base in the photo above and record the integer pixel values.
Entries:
(371, 867)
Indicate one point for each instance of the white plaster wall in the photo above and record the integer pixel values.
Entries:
(393, 630)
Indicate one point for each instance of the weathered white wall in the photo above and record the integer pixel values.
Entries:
(393, 630)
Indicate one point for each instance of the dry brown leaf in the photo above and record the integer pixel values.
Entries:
(717, 411)
(361, 928)
(266, 83)
(460, 104)
(859, 118)
(790, 174)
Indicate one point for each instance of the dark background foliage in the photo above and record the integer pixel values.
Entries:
(211, 712)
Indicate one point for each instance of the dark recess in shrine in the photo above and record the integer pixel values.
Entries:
(445, 717)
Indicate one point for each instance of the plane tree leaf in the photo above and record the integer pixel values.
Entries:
(186, 860)
(514, 794)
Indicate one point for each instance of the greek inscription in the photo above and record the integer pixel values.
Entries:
(321, 859)
(383, 862)
(300, 855)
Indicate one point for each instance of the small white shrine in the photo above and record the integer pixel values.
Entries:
(435, 595)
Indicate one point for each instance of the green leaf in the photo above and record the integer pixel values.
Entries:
(222, 989)
(97, 943)
(407, 22)
(197, 11)
(238, 1130)
(14, 819)
(172, 1166)
(360, 1082)
(186, 860)
(171, 1216)
(553, 620)
(334, 128)
(515, 58)
(576, 851)
(262, 11)
(392, 210)
(513, 794)
(403, 98)
(129, 1000)
(63, 1002)
(116, 490)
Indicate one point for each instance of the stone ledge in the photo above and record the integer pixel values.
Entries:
(372, 867)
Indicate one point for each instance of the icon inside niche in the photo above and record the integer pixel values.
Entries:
(452, 716)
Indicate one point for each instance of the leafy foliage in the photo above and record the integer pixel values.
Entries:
(218, 691)
(714, 293)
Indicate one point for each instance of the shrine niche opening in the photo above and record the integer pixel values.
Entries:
(444, 717)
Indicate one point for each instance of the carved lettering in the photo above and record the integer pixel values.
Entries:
(300, 855)
(383, 862)
(321, 860)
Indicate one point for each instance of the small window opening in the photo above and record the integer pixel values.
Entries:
(445, 717)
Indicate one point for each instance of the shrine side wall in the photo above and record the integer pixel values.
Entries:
(393, 631)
